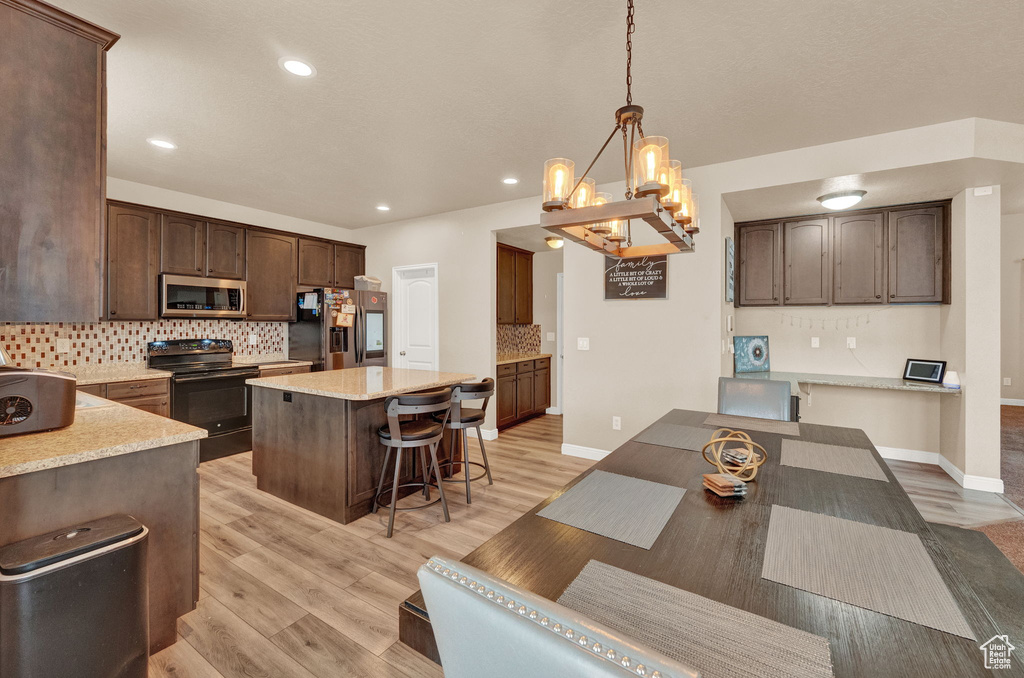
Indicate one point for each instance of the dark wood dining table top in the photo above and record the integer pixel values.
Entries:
(714, 547)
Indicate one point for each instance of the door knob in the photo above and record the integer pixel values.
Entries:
(401, 353)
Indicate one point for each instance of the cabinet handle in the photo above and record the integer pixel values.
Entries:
(113, 313)
(199, 269)
(892, 296)
(787, 298)
(878, 296)
(775, 298)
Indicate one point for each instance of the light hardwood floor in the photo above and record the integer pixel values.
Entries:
(286, 593)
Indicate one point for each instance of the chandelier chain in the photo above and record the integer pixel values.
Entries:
(630, 27)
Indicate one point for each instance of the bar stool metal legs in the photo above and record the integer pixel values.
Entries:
(462, 419)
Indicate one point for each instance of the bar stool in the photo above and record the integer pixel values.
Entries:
(463, 418)
(421, 434)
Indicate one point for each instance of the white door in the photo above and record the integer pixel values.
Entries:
(414, 317)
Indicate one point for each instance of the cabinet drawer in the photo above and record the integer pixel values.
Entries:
(94, 389)
(136, 389)
(524, 366)
(505, 370)
(159, 404)
(281, 371)
(542, 363)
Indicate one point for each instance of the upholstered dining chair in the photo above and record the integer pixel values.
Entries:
(761, 398)
(484, 626)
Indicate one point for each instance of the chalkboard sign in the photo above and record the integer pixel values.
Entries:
(637, 278)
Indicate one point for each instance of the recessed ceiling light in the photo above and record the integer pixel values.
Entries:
(510, 181)
(296, 67)
(383, 208)
(841, 199)
(161, 143)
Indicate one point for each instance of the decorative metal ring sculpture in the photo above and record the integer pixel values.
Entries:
(745, 471)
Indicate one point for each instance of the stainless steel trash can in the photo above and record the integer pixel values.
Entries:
(75, 602)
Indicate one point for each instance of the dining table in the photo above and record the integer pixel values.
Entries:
(715, 547)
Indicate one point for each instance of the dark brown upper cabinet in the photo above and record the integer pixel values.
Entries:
(349, 261)
(808, 267)
(506, 287)
(225, 251)
(271, 264)
(759, 273)
(53, 157)
(133, 263)
(524, 288)
(515, 286)
(182, 245)
(316, 263)
(916, 255)
(858, 252)
(897, 255)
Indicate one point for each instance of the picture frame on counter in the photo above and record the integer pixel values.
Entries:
(928, 371)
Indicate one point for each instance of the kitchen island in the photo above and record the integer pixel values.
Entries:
(314, 435)
(113, 459)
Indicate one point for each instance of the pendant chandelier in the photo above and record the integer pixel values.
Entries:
(656, 191)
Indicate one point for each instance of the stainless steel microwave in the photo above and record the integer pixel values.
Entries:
(186, 296)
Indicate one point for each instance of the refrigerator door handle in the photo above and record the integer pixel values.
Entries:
(355, 336)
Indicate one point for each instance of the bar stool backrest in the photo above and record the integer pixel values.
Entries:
(416, 403)
(473, 390)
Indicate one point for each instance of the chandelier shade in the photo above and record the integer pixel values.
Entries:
(656, 191)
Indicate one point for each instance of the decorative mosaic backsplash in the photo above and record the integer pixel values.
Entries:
(518, 339)
(35, 344)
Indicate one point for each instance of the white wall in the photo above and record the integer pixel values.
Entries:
(886, 336)
(1012, 306)
(546, 267)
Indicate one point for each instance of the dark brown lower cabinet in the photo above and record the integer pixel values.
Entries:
(523, 390)
(151, 395)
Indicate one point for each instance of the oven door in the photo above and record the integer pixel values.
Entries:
(220, 402)
(184, 296)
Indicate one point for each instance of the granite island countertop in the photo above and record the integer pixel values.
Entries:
(506, 358)
(361, 383)
(102, 429)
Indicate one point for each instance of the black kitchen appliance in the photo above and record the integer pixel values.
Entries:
(34, 400)
(337, 329)
(208, 390)
(188, 296)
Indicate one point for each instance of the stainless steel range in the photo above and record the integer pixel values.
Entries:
(208, 390)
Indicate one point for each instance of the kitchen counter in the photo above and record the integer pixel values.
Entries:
(361, 383)
(885, 383)
(102, 429)
(112, 372)
(506, 358)
(314, 435)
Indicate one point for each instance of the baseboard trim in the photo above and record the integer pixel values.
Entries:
(558, 410)
(982, 483)
(1011, 401)
(489, 433)
(903, 454)
(585, 452)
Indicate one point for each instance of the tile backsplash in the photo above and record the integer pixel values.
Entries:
(99, 343)
(518, 339)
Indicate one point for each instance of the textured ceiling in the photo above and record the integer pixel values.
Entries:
(427, 105)
(939, 181)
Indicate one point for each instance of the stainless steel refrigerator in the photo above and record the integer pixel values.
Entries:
(337, 329)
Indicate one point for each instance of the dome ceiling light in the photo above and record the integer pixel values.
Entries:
(656, 191)
(841, 200)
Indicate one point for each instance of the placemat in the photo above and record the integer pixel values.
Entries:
(675, 435)
(718, 640)
(877, 568)
(786, 428)
(848, 461)
(626, 509)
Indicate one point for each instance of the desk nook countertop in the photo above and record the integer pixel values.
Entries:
(361, 383)
(884, 383)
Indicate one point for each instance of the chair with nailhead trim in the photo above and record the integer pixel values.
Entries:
(481, 621)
